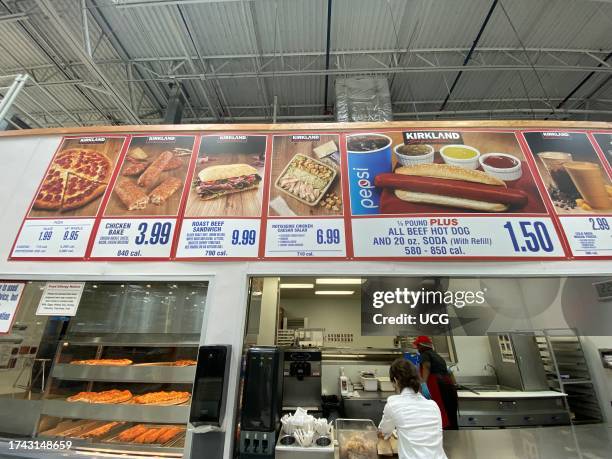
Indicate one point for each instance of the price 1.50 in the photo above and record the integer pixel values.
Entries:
(159, 234)
(328, 236)
(244, 237)
(531, 236)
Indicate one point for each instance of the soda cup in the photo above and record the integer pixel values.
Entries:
(368, 155)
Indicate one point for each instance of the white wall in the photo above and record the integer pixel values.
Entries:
(335, 315)
(24, 160)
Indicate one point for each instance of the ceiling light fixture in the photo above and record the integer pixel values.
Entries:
(334, 292)
(296, 285)
(337, 281)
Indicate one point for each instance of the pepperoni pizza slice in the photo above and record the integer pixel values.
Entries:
(80, 191)
(52, 189)
(76, 177)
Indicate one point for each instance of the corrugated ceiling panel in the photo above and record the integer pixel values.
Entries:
(301, 25)
(220, 28)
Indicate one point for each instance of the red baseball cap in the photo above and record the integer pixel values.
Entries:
(422, 341)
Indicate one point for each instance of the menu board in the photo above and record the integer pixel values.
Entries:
(387, 194)
(440, 194)
(305, 211)
(578, 184)
(62, 215)
(140, 217)
(222, 218)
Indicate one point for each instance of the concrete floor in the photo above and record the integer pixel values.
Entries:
(592, 441)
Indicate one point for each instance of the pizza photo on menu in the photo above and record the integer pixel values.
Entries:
(77, 178)
(152, 177)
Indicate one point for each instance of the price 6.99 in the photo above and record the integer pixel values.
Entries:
(328, 236)
(159, 233)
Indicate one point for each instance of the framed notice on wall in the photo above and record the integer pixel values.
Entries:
(381, 194)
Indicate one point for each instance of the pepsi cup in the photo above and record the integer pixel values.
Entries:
(368, 156)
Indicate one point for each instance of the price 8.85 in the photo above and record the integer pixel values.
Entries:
(529, 236)
(159, 233)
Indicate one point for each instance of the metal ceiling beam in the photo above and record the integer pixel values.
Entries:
(101, 21)
(214, 112)
(67, 35)
(230, 57)
(385, 71)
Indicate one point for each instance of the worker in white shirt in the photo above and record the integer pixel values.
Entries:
(418, 421)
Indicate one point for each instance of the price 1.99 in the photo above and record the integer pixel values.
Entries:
(530, 236)
(159, 234)
(244, 237)
(328, 236)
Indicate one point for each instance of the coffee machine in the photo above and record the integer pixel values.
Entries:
(302, 379)
(261, 402)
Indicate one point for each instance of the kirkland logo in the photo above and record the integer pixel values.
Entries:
(161, 138)
(305, 138)
(556, 134)
(232, 138)
(91, 140)
(431, 136)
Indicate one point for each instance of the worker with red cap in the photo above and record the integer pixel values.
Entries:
(440, 381)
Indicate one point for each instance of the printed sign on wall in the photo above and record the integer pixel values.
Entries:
(403, 194)
(62, 215)
(446, 194)
(578, 186)
(10, 294)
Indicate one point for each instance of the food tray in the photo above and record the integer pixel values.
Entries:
(179, 401)
(323, 191)
(175, 442)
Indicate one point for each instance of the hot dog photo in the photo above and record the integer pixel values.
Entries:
(420, 172)
(152, 177)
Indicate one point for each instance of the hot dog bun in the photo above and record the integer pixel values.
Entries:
(447, 172)
(450, 201)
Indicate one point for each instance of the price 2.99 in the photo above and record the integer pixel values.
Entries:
(159, 234)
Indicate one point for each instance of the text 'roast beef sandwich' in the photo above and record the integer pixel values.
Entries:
(216, 181)
(451, 186)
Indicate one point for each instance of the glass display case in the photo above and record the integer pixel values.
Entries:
(122, 370)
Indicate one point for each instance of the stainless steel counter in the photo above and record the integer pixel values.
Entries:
(369, 405)
(592, 441)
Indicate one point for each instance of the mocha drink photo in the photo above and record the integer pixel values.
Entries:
(589, 181)
(553, 162)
